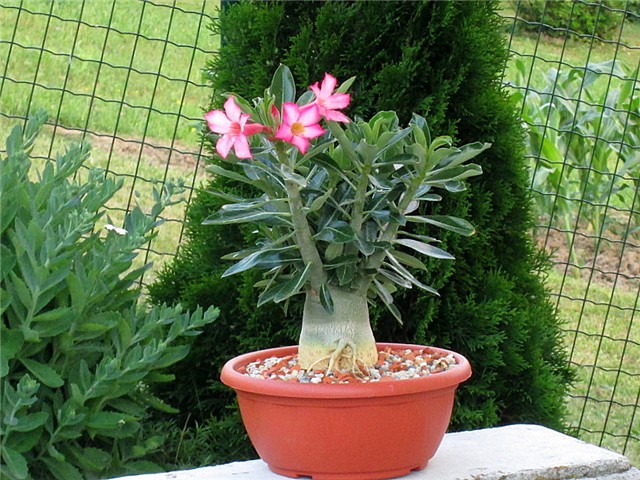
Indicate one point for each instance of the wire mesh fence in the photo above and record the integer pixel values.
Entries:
(126, 75)
(574, 76)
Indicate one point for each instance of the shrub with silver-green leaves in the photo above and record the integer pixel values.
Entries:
(78, 349)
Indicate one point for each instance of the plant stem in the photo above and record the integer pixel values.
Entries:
(304, 236)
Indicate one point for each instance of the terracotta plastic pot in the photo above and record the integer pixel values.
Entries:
(364, 431)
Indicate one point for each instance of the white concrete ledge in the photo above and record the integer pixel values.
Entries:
(517, 452)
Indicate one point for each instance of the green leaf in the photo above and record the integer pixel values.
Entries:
(265, 259)
(92, 459)
(397, 267)
(448, 174)
(463, 154)
(344, 86)
(14, 141)
(447, 222)
(218, 170)
(11, 342)
(395, 139)
(329, 164)
(229, 217)
(319, 201)
(345, 273)
(292, 286)
(325, 298)
(15, 462)
(385, 295)
(23, 441)
(336, 232)
(55, 321)
(395, 278)
(29, 422)
(158, 404)
(401, 159)
(283, 86)
(62, 470)
(43, 372)
(288, 174)
(107, 420)
(407, 259)
(425, 248)
(172, 355)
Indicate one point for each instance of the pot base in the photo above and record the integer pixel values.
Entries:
(384, 475)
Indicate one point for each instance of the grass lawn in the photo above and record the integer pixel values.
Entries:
(127, 68)
(603, 335)
(127, 76)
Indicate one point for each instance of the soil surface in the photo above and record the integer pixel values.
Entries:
(616, 260)
(392, 365)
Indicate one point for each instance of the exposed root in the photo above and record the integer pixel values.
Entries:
(344, 359)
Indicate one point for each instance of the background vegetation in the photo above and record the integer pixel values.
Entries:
(596, 296)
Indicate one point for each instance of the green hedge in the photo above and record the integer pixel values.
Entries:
(443, 60)
(583, 17)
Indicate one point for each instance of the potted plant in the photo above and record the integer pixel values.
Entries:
(331, 199)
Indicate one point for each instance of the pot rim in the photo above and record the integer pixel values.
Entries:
(446, 380)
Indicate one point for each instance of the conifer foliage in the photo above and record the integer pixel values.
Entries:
(444, 61)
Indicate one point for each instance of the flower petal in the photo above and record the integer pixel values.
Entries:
(290, 113)
(313, 131)
(217, 121)
(337, 100)
(309, 115)
(284, 133)
(328, 84)
(241, 147)
(336, 116)
(224, 144)
(253, 128)
(301, 143)
(233, 110)
(316, 90)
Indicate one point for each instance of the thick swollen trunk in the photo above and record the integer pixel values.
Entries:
(342, 339)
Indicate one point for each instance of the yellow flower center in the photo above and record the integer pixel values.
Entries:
(297, 129)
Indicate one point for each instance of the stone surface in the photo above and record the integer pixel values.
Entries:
(516, 452)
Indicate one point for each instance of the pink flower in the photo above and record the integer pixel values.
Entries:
(232, 125)
(330, 102)
(299, 124)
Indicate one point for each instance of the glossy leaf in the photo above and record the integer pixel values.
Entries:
(229, 217)
(263, 259)
(449, 174)
(336, 232)
(463, 154)
(446, 222)
(293, 285)
(425, 248)
(283, 86)
(387, 299)
(218, 170)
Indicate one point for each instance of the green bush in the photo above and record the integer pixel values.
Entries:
(78, 353)
(444, 61)
(580, 16)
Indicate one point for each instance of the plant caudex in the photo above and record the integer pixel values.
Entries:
(332, 207)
